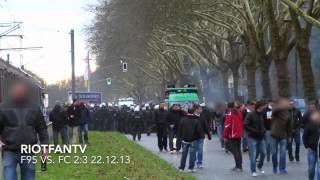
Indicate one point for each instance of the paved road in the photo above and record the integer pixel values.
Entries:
(217, 164)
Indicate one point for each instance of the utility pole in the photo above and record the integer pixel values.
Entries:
(87, 74)
(73, 77)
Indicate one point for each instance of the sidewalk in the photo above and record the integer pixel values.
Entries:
(217, 164)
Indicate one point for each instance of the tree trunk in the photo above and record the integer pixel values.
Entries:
(251, 80)
(235, 74)
(283, 78)
(306, 68)
(225, 85)
(265, 81)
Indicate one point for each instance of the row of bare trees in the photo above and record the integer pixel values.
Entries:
(177, 41)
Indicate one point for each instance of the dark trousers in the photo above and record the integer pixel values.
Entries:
(297, 139)
(178, 143)
(63, 133)
(234, 146)
(136, 131)
(171, 135)
(162, 138)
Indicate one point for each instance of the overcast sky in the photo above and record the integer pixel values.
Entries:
(47, 23)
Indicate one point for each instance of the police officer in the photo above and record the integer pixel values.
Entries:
(136, 123)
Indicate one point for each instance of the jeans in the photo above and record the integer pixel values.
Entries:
(219, 134)
(10, 161)
(63, 133)
(312, 161)
(199, 151)
(245, 142)
(297, 139)
(275, 142)
(73, 134)
(256, 147)
(268, 144)
(191, 149)
(171, 133)
(83, 134)
(234, 146)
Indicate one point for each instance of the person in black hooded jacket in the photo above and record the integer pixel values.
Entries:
(205, 130)
(310, 140)
(59, 122)
(21, 123)
(254, 127)
(160, 118)
(190, 131)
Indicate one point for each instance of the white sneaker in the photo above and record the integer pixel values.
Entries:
(260, 171)
(191, 170)
(254, 174)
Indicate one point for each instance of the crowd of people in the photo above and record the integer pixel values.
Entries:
(267, 130)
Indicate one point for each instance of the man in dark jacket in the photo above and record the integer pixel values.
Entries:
(296, 119)
(147, 117)
(190, 131)
(84, 121)
(59, 121)
(205, 130)
(254, 127)
(160, 118)
(218, 117)
(310, 140)
(74, 115)
(281, 130)
(173, 119)
(267, 125)
(312, 107)
(136, 124)
(21, 123)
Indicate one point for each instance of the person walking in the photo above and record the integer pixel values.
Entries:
(21, 123)
(249, 107)
(59, 121)
(281, 130)
(85, 119)
(160, 118)
(205, 130)
(267, 125)
(173, 119)
(233, 131)
(74, 115)
(136, 123)
(296, 119)
(219, 116)
(254, 127)
(189, 131)
(310, 141)
(147, 116)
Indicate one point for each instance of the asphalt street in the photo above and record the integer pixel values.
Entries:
(218, 164)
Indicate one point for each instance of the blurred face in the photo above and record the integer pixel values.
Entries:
(199, 110)
(19, 90)
(312, 107)
(291, 104)
(176, 107)
(315, 117)
(161, 106)
(284, 103)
